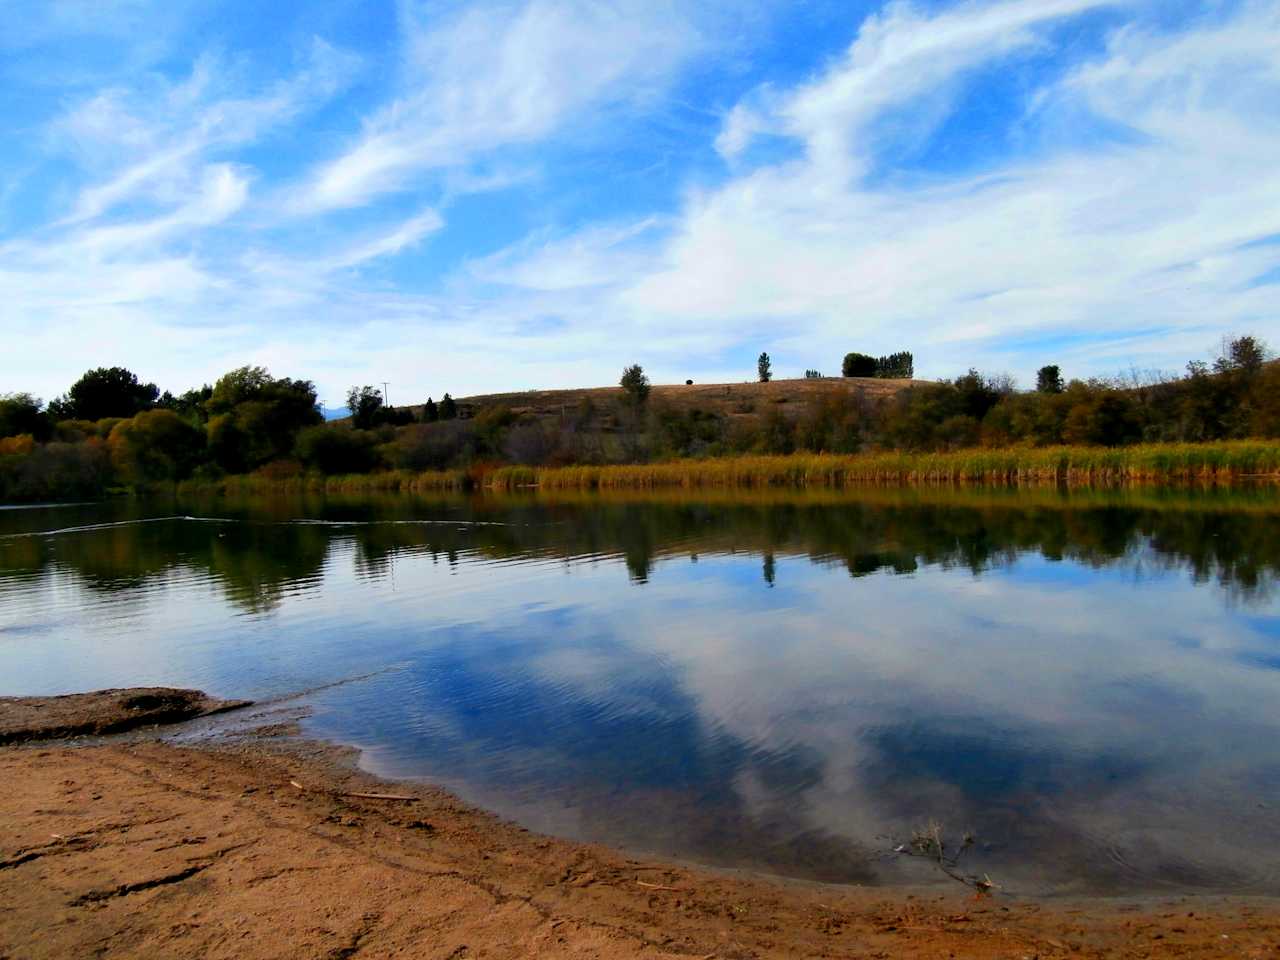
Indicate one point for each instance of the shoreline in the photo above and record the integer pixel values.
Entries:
(261, 844)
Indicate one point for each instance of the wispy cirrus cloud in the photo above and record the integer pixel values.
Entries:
(496, 75)
(156, 137)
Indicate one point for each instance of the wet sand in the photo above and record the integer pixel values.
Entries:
(258, 847)
(25, 719)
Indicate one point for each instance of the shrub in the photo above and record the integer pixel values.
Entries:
(155, 446)
(334, 450)
(858, 365)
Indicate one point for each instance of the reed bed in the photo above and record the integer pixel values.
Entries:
(390, 481)
(1249, 497)
(1087, 466)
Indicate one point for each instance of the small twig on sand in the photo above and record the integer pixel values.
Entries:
(400, 797)
(655, 886)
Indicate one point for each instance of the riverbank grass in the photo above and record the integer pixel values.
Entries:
(1148, 463)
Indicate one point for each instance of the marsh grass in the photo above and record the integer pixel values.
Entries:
(390, 481)
(1187, 497)
(1148, 463)
(1183, 463)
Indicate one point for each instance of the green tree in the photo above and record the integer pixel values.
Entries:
(22, 413)
(1049, 379)
(764, 367)
(1244, 355)
(255, 418)
(105, 392)
(636, 385)
(155, 446)
(448, 408)
(365, 404)
(430, 412)
(1266, 403)
(858, 365)
(189, 405)
(1107, 419)
(896, 366)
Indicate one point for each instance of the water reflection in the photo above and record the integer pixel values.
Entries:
(774, 681)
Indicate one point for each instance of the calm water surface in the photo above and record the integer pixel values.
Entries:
(1090, 682)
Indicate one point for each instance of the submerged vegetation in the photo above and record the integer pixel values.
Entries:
(251, 430)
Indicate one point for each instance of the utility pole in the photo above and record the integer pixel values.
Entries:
(385, 401)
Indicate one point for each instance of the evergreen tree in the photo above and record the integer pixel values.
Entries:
(430, 413)
(448, 409)
(896, 366)
(765, 368)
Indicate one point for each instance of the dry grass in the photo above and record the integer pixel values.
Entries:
(391, 481)
(725, 399)
(1147, 463)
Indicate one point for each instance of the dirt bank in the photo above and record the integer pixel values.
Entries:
(153, 850)
(24, 719)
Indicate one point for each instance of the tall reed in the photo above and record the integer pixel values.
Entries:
(1147, 463)
(390, 481)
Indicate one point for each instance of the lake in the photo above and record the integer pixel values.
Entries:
(779, 681)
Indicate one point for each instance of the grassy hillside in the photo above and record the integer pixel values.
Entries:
(725, 399)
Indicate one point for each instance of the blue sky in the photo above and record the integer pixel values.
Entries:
(475, 196)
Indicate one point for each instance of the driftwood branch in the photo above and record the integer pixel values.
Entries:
(929, 843)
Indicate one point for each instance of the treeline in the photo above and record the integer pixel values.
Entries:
(111, 430)
(896, 366)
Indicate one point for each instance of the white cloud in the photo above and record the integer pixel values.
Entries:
(597, 256)
(158, 135)
(1093, 239)
(222, 192)
(404, 235)
(500, 75)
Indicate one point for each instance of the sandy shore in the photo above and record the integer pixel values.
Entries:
(258, 848)
(27, 719)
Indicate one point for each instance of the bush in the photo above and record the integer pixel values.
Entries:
(154, 447)
(437, 446)
(54, 471)
(334, 450)
(858, 365)
(279, 470)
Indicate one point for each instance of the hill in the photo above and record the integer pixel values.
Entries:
(725, 399)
